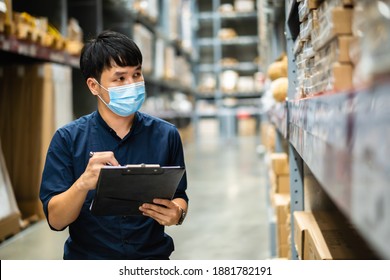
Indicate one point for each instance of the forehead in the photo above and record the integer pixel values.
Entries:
(120, 70)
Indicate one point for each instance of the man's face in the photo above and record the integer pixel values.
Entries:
(119, 76)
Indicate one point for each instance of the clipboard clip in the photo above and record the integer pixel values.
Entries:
(146, 169)
(142, 165)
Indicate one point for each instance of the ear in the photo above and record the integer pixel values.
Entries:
(93, 86)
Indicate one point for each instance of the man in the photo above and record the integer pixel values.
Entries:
(116, 134)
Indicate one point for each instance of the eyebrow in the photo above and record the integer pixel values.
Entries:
(120, 73)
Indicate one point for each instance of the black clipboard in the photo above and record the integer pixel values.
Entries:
(121, 190)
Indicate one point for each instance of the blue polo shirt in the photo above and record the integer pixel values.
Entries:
(150, 140)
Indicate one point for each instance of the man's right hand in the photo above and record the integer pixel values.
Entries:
(88, 179)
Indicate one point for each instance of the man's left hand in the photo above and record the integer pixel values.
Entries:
(166, 212)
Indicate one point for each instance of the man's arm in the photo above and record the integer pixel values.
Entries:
(64, 208)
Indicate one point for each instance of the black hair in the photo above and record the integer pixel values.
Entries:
(107, 48)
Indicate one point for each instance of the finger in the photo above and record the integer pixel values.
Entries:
(166, 202)
(149, 208)
(154, 215)
(157, 213)
(111, 159)
(104, 158)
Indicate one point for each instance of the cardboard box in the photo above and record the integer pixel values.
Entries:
(282, 207)
(344, 43)
(342, 76)
(303, 221)
(305, 7)
(336, 21)
(338, 50)
(268, 136)
(341, 240)
(327, 236)
(341, 21)
(279, 163)
(283, 234)
(284, 251)
(283, 184)
(272, 182)
(327, 245)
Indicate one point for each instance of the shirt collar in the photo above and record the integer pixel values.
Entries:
(135, 128)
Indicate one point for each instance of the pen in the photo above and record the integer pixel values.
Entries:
(91, 155)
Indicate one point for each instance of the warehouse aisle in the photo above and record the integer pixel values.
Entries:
(227, 217)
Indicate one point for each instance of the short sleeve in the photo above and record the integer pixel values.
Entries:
(177, 158)
(58, 173)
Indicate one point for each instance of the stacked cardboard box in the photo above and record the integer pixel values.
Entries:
(327, 236)
(268, 136)
(322, 48)
(281, 204)
(280, 197)
(280, 167)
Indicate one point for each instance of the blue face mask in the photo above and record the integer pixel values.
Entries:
(125, 100)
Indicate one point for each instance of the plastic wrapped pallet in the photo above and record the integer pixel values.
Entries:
(332, 21)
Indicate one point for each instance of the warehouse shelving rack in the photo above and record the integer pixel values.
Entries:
(212, 49)
(338, 139)
(93, 17)
(32, 50)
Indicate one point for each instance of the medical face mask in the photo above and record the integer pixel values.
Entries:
(125, 100)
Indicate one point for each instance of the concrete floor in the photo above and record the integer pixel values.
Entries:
(227, 217)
